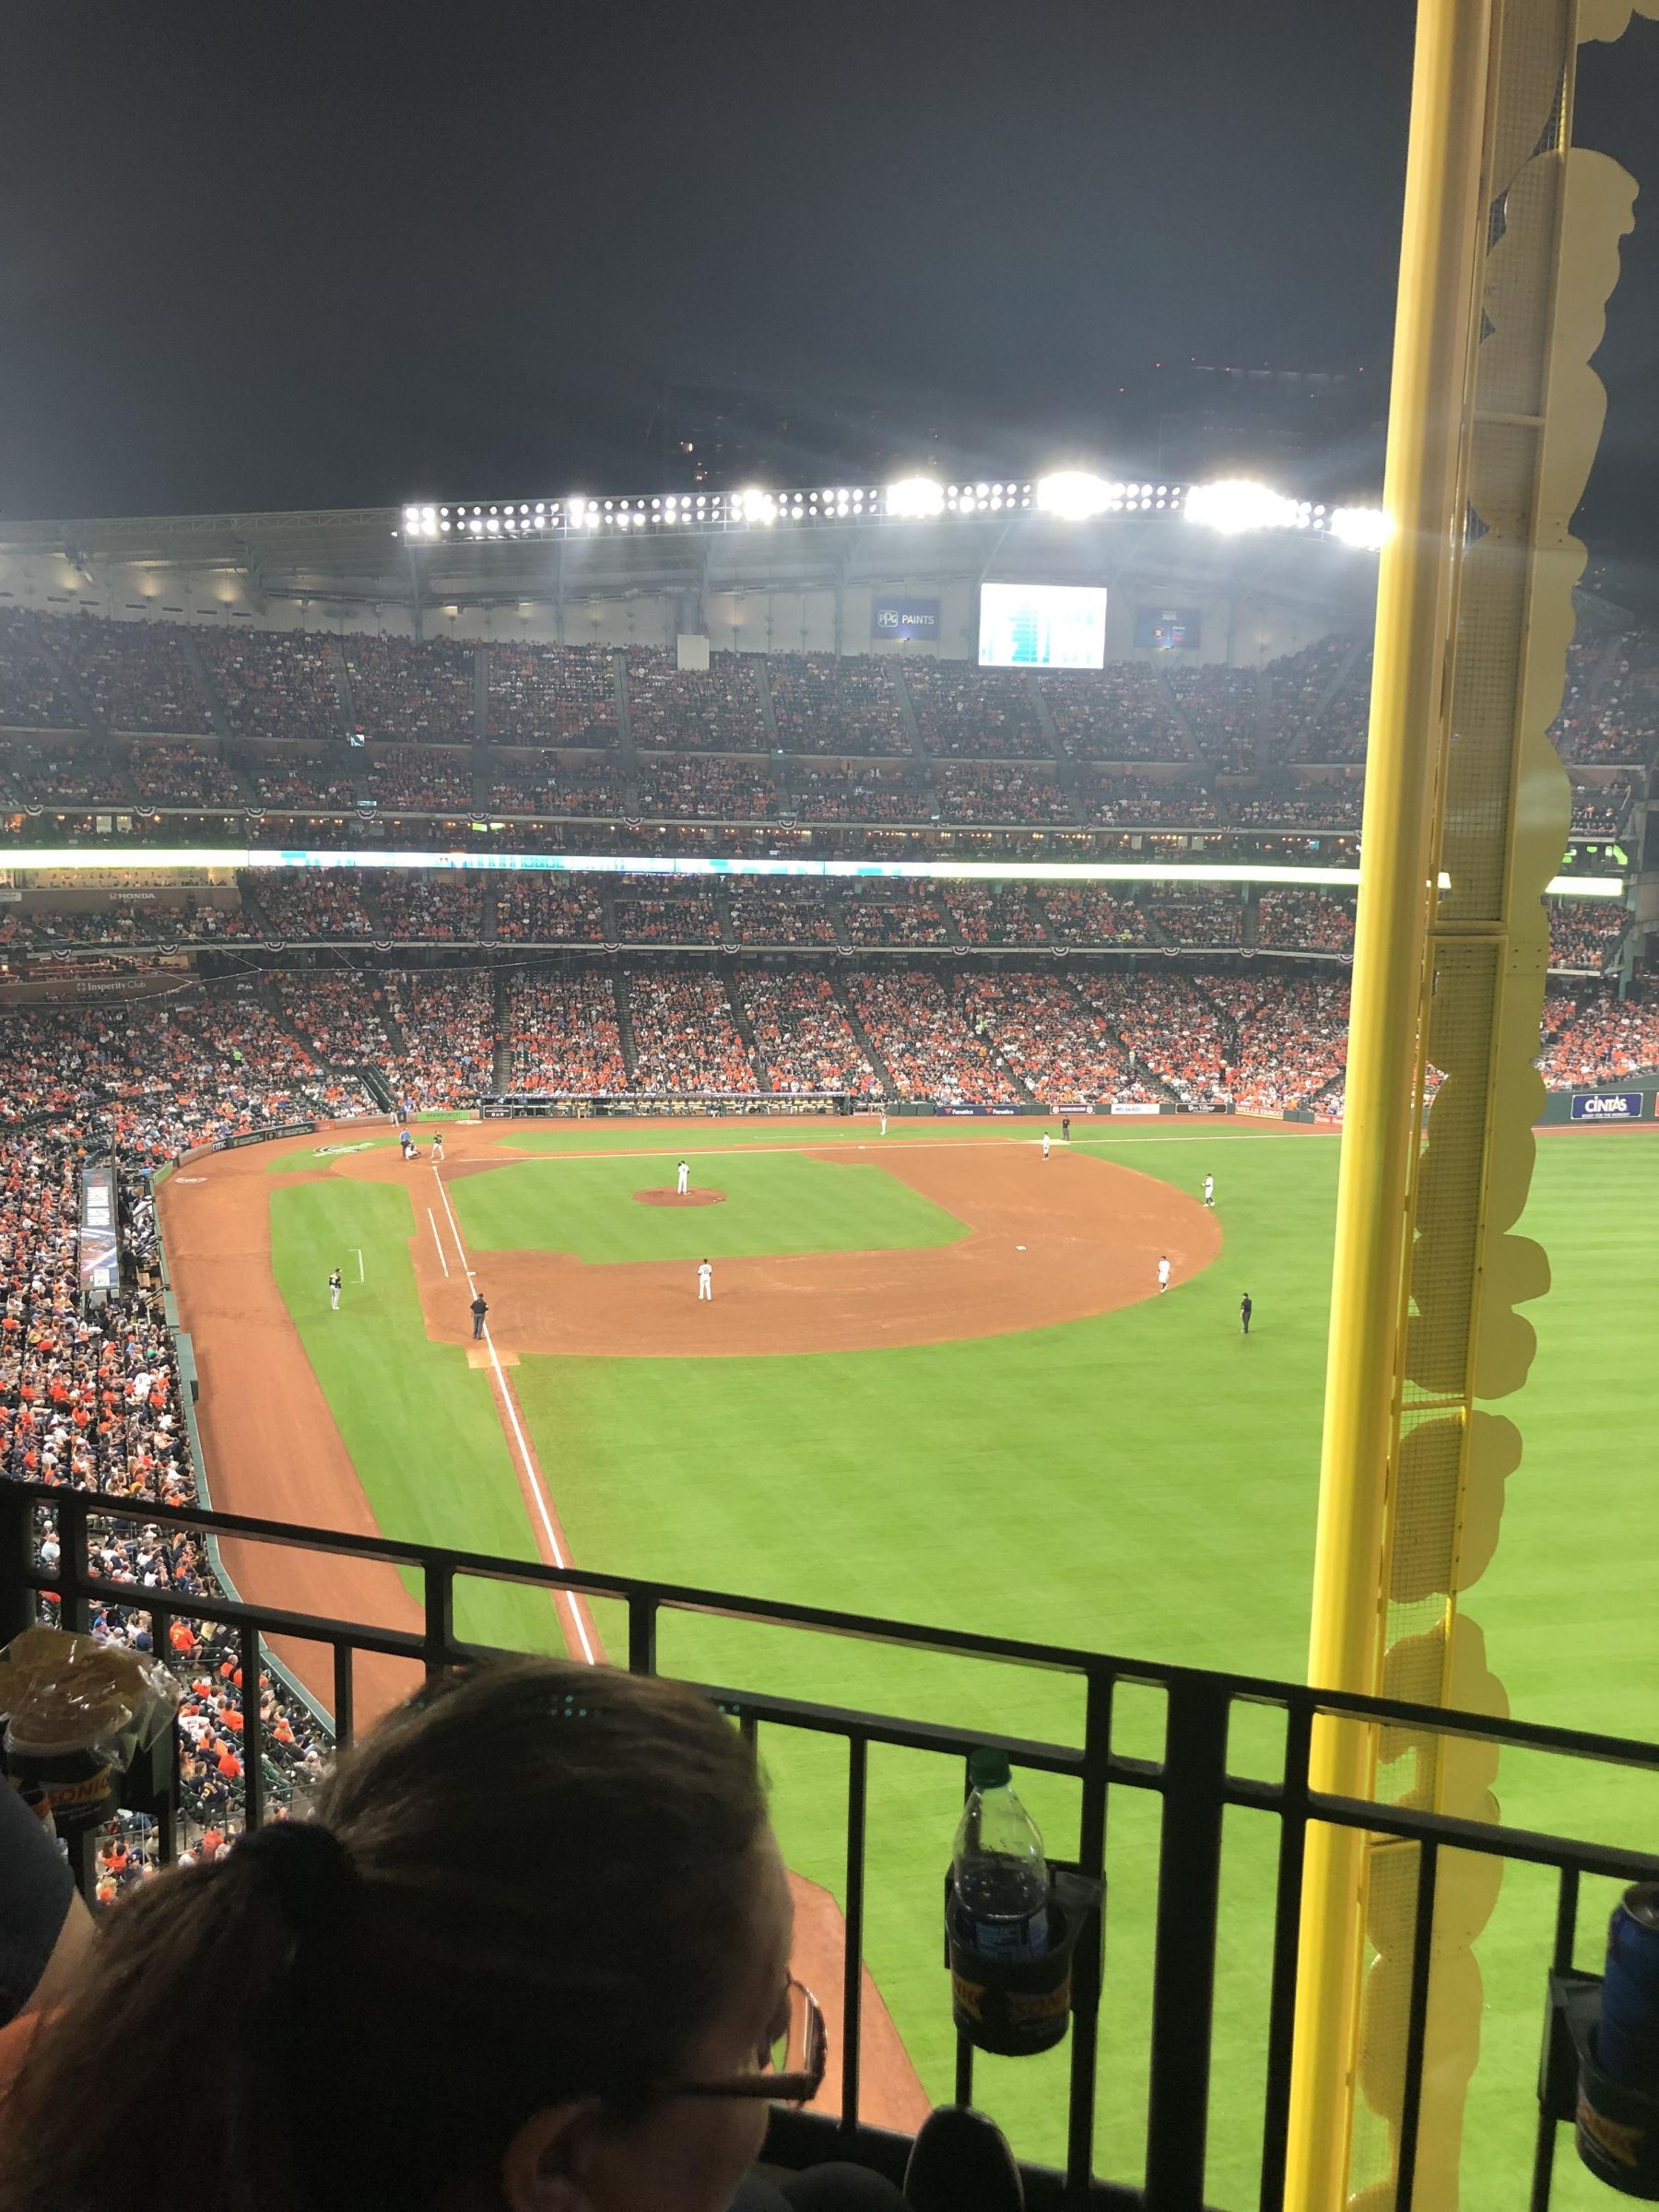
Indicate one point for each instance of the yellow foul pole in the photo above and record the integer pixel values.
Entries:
(1441, 252)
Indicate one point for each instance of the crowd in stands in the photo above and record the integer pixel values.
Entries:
(716, 710)
(707, 790)
(133, 675)
(821, 704)
(61, 671)
(1083, 916)
(1296, 682)
(67, 772)
(989, 792)
(1292, 1038)
(803, 1039)
(692, 919)
(403, 776)
(533, 909)
(899, 918)
(421, 692)
(33, 694)
(1603, 1038)
(1586, 933)
(993, 913)
(91, 1399)
(1599, 809)
(1220, 707)
(1615, 706)
(64, 775)
(303, 903)
(277, 683)
(447, 1024)
(298, 780)
(1170, 1028)
(863, 791)
(1054, 1046)
(1120, 713)
(552, 695)
(966, 712)
(1339, 733)
(150, 920)
(562, 1034)
(340, 1016)
(1196, 916)
(438, 909)
(1305, 922)
(1327, 805)
(181, 775)
(776, 917)
(927, 1048)
(168, 1073)
(1180, 802)
(528, 785)
(684, 1036)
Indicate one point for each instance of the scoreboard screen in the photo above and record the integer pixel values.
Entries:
(1042, 626)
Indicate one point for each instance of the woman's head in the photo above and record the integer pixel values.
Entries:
(544, 1894)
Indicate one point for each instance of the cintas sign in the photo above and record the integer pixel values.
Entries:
(1606, 1105)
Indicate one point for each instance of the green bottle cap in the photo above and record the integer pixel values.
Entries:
(988, 1770)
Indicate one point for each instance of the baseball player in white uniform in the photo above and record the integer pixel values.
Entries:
(683, 1183)
(705, 1282)
(334, 1290)
(1209, 1190)
(1045, 1144)
(437, 1143)
(1163, 1274)
(884, 1121)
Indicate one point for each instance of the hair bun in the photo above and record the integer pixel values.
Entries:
(305, 1867)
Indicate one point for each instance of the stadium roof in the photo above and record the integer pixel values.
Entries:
(379, 553)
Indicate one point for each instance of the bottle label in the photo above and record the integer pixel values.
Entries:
(1002, 1937)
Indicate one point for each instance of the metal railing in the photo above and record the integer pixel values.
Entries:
(1194, 1778)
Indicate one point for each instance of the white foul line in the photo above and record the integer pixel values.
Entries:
(439, 1241)
(359, 1250)
(572, 1598)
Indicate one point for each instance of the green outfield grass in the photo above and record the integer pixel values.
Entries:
(1143, 1482)
(772, 1202)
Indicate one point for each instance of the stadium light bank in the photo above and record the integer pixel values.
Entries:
(1234, 507)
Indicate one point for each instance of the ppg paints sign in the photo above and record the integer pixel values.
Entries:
(1606, 1106)
(905, 618)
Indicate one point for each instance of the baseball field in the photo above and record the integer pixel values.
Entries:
(936, 1381)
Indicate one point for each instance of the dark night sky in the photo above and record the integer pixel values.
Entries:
(327, 256)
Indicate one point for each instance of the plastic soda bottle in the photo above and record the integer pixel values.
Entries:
(1002, 1878)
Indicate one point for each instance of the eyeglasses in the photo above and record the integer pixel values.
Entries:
(790, 2059)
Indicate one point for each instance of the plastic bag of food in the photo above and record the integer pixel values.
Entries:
(76, 1711)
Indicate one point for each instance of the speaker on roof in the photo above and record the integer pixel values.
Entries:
(691, 651)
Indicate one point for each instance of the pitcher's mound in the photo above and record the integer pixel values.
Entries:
(674, 1198)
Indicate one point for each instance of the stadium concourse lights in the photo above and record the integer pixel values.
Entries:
(159, 859)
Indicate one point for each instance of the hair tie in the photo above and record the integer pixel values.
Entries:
(306, 1867)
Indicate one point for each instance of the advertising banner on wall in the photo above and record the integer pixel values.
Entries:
(905, 618)
(99, 1257)
(1134, 1106)
(1169, 629)
(1606, 1105)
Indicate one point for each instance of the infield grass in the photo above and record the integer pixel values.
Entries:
(769, 1202)
(1143, 1482)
